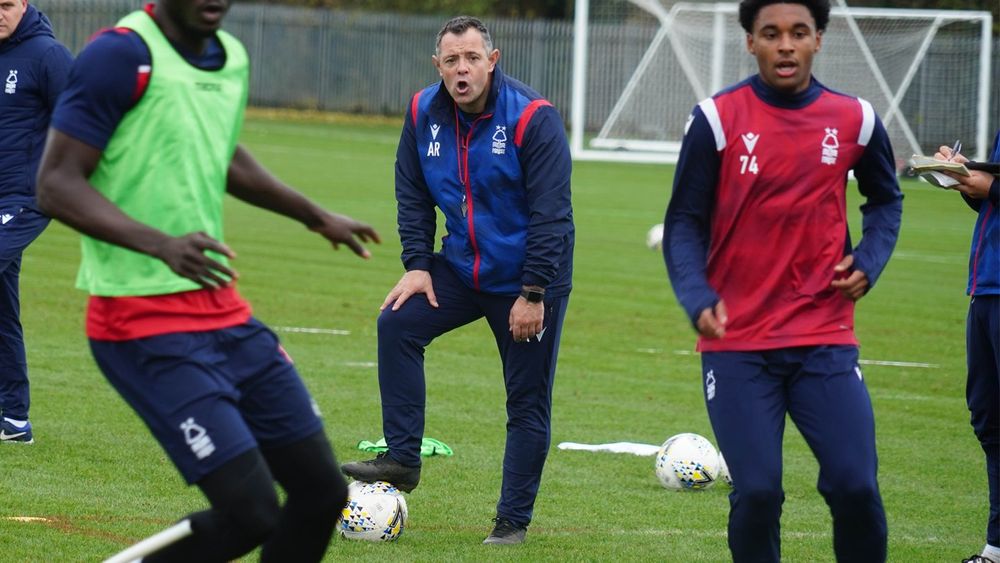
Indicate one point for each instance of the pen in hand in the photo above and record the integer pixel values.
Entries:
(955, 149)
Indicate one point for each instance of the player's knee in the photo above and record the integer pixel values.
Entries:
(244, 501)
(256, 514)
(402, 326)
(987, 433)
(536, 422)
(390, 325)
(852, 495)
(310, 476)
(763, 501)
(324, 495)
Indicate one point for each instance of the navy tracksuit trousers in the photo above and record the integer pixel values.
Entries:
(982, 394)
(748, 395)
(528, 371)
(19, 226)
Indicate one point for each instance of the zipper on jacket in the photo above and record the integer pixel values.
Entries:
(468, 209)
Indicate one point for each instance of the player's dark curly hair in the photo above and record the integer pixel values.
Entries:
(820, 10)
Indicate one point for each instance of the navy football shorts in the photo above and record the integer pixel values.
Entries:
(210, 396)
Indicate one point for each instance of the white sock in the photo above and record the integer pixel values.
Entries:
(16, 422)
(992, 552)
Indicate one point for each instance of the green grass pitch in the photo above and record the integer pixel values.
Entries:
(100, 482)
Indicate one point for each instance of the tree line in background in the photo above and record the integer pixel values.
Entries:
(563, 9)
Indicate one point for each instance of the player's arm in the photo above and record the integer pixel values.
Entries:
(248, 181)
(100, 90)
(687, 227)
(56, 63)
(977, 186)
(64, 193)
(547, 167)
(417, 221)
(881, 216)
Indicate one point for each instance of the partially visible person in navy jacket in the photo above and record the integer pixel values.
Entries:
(491, 154)
(34, 67)
(981, 191)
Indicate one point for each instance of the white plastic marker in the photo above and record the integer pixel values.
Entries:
(153, 543)
(27, 519)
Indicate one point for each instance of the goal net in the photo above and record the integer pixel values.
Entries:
(640, 66)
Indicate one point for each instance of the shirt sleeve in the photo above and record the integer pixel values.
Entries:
(883, 208)
(55, 71)
(103, 85)
(687, 224)
(994, 194)
(547, 167)
(415, 207)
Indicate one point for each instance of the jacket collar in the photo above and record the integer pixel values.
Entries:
(783, 100)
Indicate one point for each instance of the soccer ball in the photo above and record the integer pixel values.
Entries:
(687, 461)
(374, 512)
(654, 237)
(724, 475)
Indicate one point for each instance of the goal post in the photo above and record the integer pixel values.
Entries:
(640, 66)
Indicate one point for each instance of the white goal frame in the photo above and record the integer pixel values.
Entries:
(634, 150)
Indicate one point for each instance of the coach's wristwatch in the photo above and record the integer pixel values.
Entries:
(532, 294)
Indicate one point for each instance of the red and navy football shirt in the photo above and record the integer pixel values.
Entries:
(758, 215)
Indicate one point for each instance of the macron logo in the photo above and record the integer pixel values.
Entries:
(750, 140)
(5, 218)
(541, 334)
(434, 131)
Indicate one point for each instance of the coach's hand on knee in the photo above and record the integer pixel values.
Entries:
(412, 282)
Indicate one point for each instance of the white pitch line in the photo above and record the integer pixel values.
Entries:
(27, 519)
(890, 363)
(305, 330)
(907, 539)
(361, 364)
(898, 364)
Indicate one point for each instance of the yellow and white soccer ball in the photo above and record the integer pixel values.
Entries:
(654, 237)
(687, 462)
(374, 512)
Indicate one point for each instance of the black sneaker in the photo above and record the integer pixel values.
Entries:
(384, 468)
(978, 559)
(506, 532)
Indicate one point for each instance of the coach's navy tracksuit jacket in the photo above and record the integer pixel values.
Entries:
(473, 169)
(33, 71)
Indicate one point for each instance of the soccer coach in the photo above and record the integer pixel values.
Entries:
(491, 154)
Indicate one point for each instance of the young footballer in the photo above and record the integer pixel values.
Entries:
(759, 255)
(143, 148)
